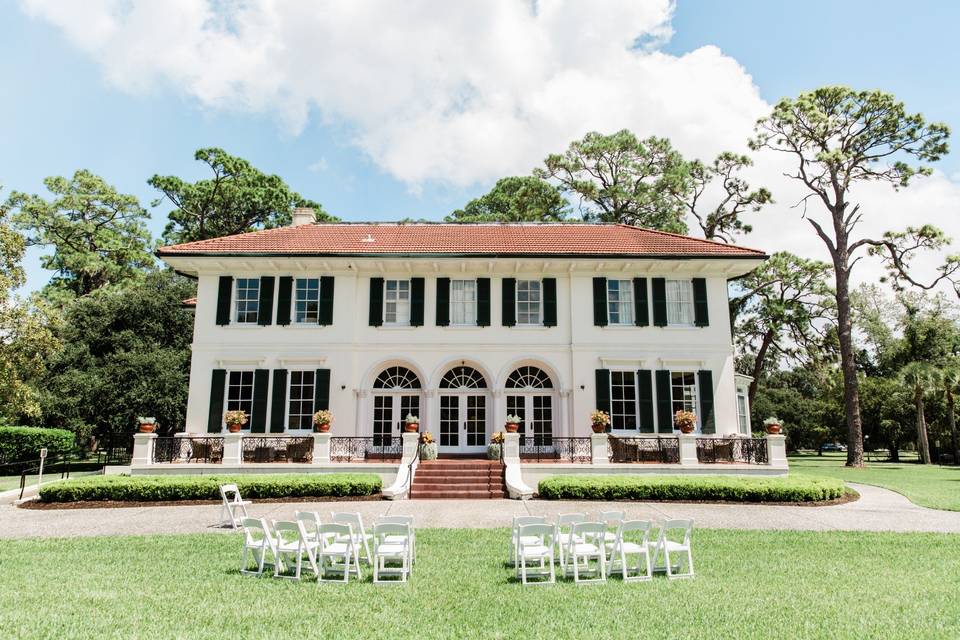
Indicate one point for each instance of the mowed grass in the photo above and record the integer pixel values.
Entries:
(749, 584)
(927, 485)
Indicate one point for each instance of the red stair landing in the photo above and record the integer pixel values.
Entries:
(458, 478)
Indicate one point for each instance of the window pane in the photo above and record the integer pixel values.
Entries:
(300, 411)
(248, 297)
(623, 400)
(528, 302)
(463, 302)
(240, 392)
(620, 301)
(679, 302)
(683, 391)
(307, 300)
(396, 298)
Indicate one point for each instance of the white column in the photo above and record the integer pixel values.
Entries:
(499, 412)
(599, 452)
(432, 423)
(563, 414)
(143, 444)
(777, 450)
(321, 448)
(688, 449)
(232, 448)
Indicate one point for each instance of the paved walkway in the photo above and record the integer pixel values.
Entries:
(877, 510)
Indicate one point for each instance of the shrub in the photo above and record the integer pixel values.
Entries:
(668, 488)
(24, 443)
(157, 488)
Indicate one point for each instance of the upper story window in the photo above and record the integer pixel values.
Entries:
(683, 391)
(623, 401)
(307, 301)
(463, 302)
(680, 302)
(248, 300)
(529, 302)
(396, 302)
(620, 301)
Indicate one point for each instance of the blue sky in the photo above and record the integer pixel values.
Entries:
(59, 111)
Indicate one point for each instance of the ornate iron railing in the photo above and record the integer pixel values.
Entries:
(543, 448)
(653, 450)
(727, 450)
(278, 449)
(351, 449)
(184, 450)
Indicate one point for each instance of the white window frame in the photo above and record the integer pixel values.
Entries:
(743, 417)
(401, 303)
(236, 300)
(694, 403)
(226, 394)
(539, 302)
(294, 312)
(680, 307)
(624, 302)
(636, 401)
(466, 303)
(313, 386)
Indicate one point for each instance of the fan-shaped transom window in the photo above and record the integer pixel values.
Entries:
(529, 378)
(397, 378)
(463, 378)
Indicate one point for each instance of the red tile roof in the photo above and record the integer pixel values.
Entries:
(413, 239)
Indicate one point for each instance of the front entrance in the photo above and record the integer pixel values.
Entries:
(389, 413)
(530, 397)
(463, 411)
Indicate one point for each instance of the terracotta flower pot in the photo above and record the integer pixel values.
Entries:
(234, 427)
(598, 428)
(773, 429)
(411, 427)
(512, 427)
(323, 428)
(147, 427)
(686, 428)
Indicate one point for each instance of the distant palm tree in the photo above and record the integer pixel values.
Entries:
(949, 379)
(919, 377)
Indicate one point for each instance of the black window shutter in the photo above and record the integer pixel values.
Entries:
(645, 396)
(483, 302)
(376, 302)
(509, 299)
(707, 422)
(659, 286)
(325, 315)
(218, 382)
(278, 406)
(701, 316)
(599, 302)
(549, 302)
(258, 421)
(416, 302)
(321, 390)
(265, 306)
(284, 297)
(602, 390)
(664, 402)
(641, 314)
(224, 293)
(443, 302)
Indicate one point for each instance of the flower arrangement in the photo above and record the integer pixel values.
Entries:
(428, 447)
(235, 419)
(147, 425)
(412, 418)
(322, 420)
(497, 437)
(426, 438)
(685, 421)
(412, 423)
(599, 420)
(495, 448)
(772, 425)
(512, 423)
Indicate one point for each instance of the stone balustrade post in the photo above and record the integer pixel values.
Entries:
(411, 445)
(599, 449)
(232, 448)
(511, 448)
(688, 449)
(143, 444)
(776, 450)
(321, 448)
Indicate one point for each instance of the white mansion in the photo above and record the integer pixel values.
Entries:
(462, 325)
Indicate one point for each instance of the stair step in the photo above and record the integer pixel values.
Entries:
(446, 493)
(456, 479)
(443, 486)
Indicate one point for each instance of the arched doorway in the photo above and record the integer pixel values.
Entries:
(396, 394)
(529, 393)
(463, 410)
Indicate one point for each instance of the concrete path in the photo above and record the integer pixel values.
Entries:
(877, 510)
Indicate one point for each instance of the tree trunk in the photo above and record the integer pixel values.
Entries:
(848, 364)
(758, 365)
(953, 426)
(894, 452)
(923, 445)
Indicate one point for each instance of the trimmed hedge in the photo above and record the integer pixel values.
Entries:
(24, 443)
(691, 488)
(158, 488)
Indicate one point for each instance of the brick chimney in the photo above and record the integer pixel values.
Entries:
(302, 215)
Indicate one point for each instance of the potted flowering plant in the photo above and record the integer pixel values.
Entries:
(513, 423)
(599, 420)
(772, 425)
(322, 420)
(235, 420)
(685, 421)
(495, 447)
(428, 447)
(147, 425)
(411, 423)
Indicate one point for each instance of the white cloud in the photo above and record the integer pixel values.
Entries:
(463, 93)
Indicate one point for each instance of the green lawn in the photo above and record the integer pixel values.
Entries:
(750, 584)
(13, 482)
(927, 485)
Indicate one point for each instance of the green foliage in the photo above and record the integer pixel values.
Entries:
(619, 178)
(236, 199)
(24, 443)
(159, 488)
(515, 199)
(99, 235)
(685, 488)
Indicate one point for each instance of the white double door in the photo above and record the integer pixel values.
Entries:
(389, 412)
(463, 422)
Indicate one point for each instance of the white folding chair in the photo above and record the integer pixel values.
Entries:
(535, 544)
(407, 520)
(361, 539)
(565, 522)
(392, 543)
(293, 543)
(590, 550)
(632, 540)
(665, 547)
(519, 521)
(337, 553)
(612, 519)
(259, 541)
(233, 506)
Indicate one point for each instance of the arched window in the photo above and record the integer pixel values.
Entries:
(529, 378)
(463, 378)
(397, 378)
